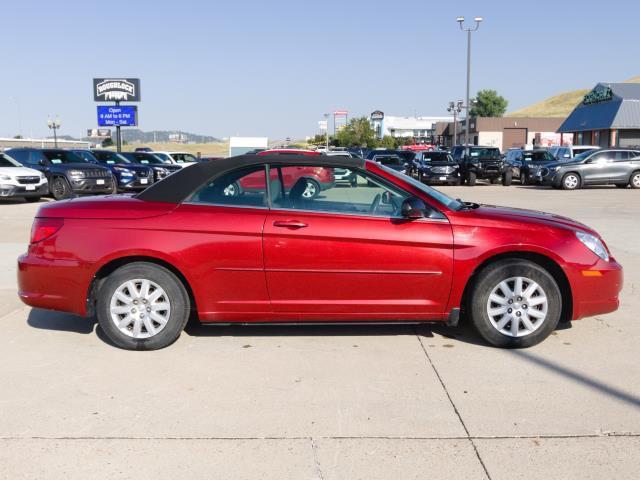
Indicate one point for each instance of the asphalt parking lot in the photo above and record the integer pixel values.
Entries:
(324, 402)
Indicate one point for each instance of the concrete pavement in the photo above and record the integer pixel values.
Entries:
(328, 402)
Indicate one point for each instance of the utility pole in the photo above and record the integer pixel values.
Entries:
(54, 125)
(455, 108)
(469, 30)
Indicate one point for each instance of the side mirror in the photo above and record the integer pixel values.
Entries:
(413, 208)
(41, 162)
(588, 161)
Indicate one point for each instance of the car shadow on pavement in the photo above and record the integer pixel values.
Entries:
(64, 322)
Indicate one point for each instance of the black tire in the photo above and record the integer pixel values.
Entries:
(32, 199)
(507, 178)
(176, 296)
(60, 188)
(634, 180)
(114, 186)
(489, 278)
(568, 182)
(471, 179)
(524, 178)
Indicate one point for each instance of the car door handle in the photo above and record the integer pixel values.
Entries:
(289, 224)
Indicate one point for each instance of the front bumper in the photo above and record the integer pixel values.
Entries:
(429, 176)
(92, 185)
(137, 184)
(596, 288)
(23, 191)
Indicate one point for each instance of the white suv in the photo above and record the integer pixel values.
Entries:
(183, 159)
(17, 181)
(565, 154)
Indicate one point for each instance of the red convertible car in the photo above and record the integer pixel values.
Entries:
(388, 249)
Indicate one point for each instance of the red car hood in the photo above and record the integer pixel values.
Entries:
(520, 214)
(105, 207)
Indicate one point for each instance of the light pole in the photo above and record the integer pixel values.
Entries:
(326, 115)
(54, 125)
(455, 108)
(460, 21)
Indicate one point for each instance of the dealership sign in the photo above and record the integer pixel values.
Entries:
(117, 116)
(597, 96)
(99, 133)
(116, 89)
(377, 115)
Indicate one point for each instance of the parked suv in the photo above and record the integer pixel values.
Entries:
(526, 164)
(481, 163)
(17, 181)
(130, 177)
(391, 159)
(160, 168)
(613, 166)
(435, 167)
(67, 173)
(566, 153)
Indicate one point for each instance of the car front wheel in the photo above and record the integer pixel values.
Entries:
(634, 181)
(570, 181)
(142, 306)
(515, 304)
(60, 188)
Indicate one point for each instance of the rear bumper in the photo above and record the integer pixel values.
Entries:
(51, 284)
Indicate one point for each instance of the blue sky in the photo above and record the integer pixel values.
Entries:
(273, 67)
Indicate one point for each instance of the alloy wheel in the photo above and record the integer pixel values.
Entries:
(517, 306)
(140, 308)
(635, 180)
(311, 191)
(571, 181)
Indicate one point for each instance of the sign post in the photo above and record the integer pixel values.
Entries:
(117, 90)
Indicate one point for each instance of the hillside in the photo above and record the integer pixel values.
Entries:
(557, 106)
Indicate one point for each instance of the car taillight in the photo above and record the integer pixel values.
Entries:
(43, 228)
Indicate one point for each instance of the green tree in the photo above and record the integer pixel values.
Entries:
(358, 133)
(388, 142)
(489, 104)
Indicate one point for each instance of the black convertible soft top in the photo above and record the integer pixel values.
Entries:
(178, 186)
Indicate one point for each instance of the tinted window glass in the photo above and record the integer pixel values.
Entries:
(245, 187)
(6, 161)
(314, 188)
(621, 156)
(492, 153)
(21, 156)
(112, 158)
(87, 156)
(537, 156)
(62, 156)
(436, 157)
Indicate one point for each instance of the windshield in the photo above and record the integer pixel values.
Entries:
(85, 155)
(432, 192)
(388, 160)
(62, 156)
(436, 157)
(492, 153)
(144, 158)
(111, 158)
(6, 161)
(538, 156)
(583, 156)
(166, 158)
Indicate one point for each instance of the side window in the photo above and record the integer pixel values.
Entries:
(334, 190)
(600, 157)
(241, 188)
(621, 156)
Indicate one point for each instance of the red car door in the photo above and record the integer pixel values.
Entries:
(335, 265)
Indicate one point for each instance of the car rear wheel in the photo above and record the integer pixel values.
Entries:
(634, 181)
(312, 190)
(142, 306)
(515, 303)
(60, 188)
(524, 178)
(471, 179)
(570, 181)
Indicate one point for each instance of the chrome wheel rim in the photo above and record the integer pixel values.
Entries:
(230, 190)
(140, 308)
(517, 307)
(636, 180)
(310, 191)
(571, 181)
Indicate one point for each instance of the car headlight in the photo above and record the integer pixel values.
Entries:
(163, 172)
(594, 244)
(6, 178)
(125, 172)
(42, 177)
(76, 173)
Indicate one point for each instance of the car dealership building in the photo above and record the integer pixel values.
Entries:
(609, 115)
